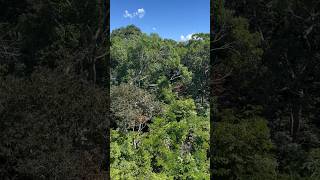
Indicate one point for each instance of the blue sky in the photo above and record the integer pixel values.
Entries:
(168, 18)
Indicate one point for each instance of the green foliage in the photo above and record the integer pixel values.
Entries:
(312, 164)
(181, 147)
(180, 109)
(148, 74)
(53, 107)
(129, 161)
(196, 58)
(144, 59)
(55, 132)
(265, 54)
(170, 149)
(242, 148)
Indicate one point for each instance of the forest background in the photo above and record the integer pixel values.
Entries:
(264, 100)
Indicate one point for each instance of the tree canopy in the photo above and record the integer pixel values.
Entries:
(161, 128)
(265, 55)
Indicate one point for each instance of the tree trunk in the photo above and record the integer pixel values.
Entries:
(296, 118)
(94, 72)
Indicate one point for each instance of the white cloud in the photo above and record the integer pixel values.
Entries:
(127, 14)
(186, 38)
(140, 13)
(154, 28)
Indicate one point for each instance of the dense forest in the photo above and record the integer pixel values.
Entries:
(265, 81)
(241, 103)
(53, 89)
(160, 106)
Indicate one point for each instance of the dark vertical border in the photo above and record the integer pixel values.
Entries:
(215, 10)
(106, 30)
(212, 60)
(212, 21)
